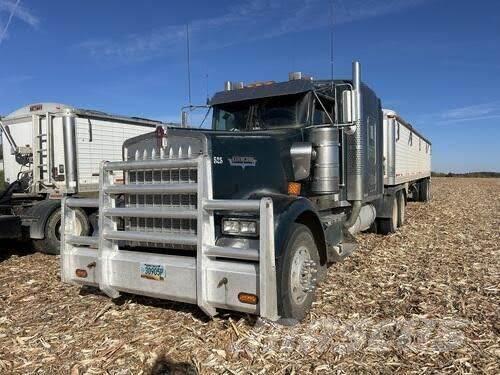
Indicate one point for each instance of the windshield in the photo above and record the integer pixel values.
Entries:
(265, 113)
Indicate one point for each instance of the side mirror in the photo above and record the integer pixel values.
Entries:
(350, 115)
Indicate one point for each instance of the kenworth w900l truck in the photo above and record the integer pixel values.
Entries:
(55, 150)
(247, 216)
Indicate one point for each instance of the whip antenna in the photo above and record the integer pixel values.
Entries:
(332, 22)
(188, 65)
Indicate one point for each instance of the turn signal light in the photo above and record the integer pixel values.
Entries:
(250, 299)
(294, 188)
(81, 273)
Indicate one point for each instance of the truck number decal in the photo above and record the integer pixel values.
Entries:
(218, 160)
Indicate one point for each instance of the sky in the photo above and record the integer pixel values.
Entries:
(435, 62)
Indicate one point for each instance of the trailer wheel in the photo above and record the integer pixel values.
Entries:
(51, 244)
(401, 208)
(424, 187)
(296, 273)
(389, 225)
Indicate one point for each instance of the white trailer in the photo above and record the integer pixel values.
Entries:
(407, 154)
(407, 170)
(55, 150)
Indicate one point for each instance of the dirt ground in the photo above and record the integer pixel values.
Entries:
(423, 300)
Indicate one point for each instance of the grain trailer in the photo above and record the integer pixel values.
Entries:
(52, 150)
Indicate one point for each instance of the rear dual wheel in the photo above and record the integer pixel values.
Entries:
(401, 208)
(390, 225)
(51, 244)
(424, 189)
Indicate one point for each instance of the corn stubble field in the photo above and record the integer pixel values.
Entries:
(423, 300)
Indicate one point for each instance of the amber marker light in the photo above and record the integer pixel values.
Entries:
(294, 188)
(81, 273)
(250, 299)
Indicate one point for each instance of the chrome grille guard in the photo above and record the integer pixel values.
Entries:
(156, 213)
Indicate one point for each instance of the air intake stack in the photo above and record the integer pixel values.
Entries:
(355, 167)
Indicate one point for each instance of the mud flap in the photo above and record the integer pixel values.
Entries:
(10, 227)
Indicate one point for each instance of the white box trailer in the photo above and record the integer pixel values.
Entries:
(407, 154)
(55, 150)
(38, 130)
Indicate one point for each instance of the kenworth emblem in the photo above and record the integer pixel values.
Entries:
(242, 161)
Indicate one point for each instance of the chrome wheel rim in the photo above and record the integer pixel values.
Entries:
(301, 278)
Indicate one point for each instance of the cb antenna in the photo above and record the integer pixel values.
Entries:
(188, 65)
(332, 23)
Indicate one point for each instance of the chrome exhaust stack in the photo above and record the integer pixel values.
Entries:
(69, 134)
(355, 139)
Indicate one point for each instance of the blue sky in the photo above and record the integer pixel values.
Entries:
(436, 62)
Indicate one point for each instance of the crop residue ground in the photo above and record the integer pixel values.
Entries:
(423, 300)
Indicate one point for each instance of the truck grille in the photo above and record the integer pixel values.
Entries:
(179, 201)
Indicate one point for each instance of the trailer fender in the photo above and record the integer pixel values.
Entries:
(38, 215)
(289, 210)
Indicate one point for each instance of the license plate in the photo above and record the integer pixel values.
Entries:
(153, 271)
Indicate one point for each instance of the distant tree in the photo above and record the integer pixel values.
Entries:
(469, 174)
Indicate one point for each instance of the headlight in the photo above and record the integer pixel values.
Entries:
(241, 227)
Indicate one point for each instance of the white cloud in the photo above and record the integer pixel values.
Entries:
(470, 113)
(253, 20)
(477, 112)
(15, 9)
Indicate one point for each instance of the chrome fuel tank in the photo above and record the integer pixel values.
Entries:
(326, 169)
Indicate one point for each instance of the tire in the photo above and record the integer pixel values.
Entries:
(51, 244)
(389, 225)
(428, 196)
(294, 302)
(424, 191)
(401, 208)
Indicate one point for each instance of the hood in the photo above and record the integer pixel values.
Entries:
(250, 164)
(244, 164)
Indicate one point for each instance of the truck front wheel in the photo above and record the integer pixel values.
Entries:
(51, 244)
(297, 273)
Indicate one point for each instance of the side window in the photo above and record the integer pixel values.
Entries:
(319, 116)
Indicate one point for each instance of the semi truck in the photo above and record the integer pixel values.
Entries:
(52, 150)
(247, 215)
